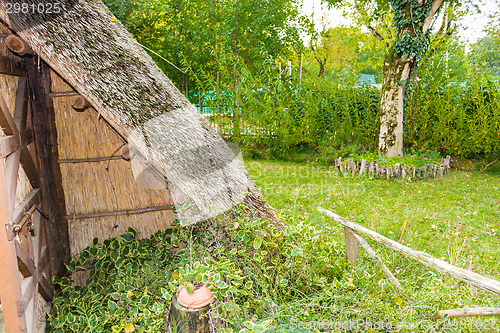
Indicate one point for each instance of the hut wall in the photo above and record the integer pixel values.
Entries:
(102, 197)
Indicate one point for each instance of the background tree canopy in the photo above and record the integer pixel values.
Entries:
(269, 79)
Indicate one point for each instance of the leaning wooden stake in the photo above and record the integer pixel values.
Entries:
(377, 260)
(469, 312)
(469, 277)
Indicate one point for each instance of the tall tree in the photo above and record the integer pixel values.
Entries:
(406, 38)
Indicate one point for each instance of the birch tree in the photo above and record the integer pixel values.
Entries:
(404, 27)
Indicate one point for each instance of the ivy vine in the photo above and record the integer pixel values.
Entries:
(409, 18)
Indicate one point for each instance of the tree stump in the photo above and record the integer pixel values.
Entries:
(189, 312)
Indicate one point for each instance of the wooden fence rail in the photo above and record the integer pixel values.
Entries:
(493, 286)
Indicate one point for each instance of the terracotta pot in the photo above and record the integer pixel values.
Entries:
(196, 300)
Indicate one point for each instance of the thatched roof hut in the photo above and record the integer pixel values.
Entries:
(95, 139)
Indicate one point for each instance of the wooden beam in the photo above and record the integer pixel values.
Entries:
(426, 259)
(469, 312)
(89, 160)
(118, 212)
(11, 66)
(10, 286)
(43, 119)
(17, 45)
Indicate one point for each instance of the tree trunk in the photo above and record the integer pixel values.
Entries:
(396, 72)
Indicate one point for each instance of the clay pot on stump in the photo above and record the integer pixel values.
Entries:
(189, 312)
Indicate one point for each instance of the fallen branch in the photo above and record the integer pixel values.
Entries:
(377, 259)
(469, 277)
(488, 165)
(469, 312)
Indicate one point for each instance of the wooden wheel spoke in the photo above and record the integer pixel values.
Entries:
(12, 163)
(6, 120)
(26, 265)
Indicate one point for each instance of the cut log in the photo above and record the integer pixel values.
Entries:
(469, 312)
(79, 103)
(362, 168)
(189, 312)
(371, 168)
(426, 259)
(17, 45)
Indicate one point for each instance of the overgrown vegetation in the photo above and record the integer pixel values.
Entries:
(294, 279)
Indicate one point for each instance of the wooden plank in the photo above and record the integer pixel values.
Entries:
(469, 312)
(43, 120)
(118, 212)
(426, 259)
(351, 246)
(12, 66)
(24, 261)
(10, 286)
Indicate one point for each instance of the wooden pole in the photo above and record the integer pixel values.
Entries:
(351, 246)
(10, 284)
(377, 259)
(469, 312)
(426, 259)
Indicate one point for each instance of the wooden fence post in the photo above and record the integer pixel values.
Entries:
(351, 246)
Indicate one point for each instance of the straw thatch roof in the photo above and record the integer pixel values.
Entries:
(94, 53)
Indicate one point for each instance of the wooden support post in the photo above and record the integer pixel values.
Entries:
(10, 285)
(351, 246)
(51, 181)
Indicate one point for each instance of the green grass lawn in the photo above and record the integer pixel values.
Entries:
(455, 218)
(294, 279)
